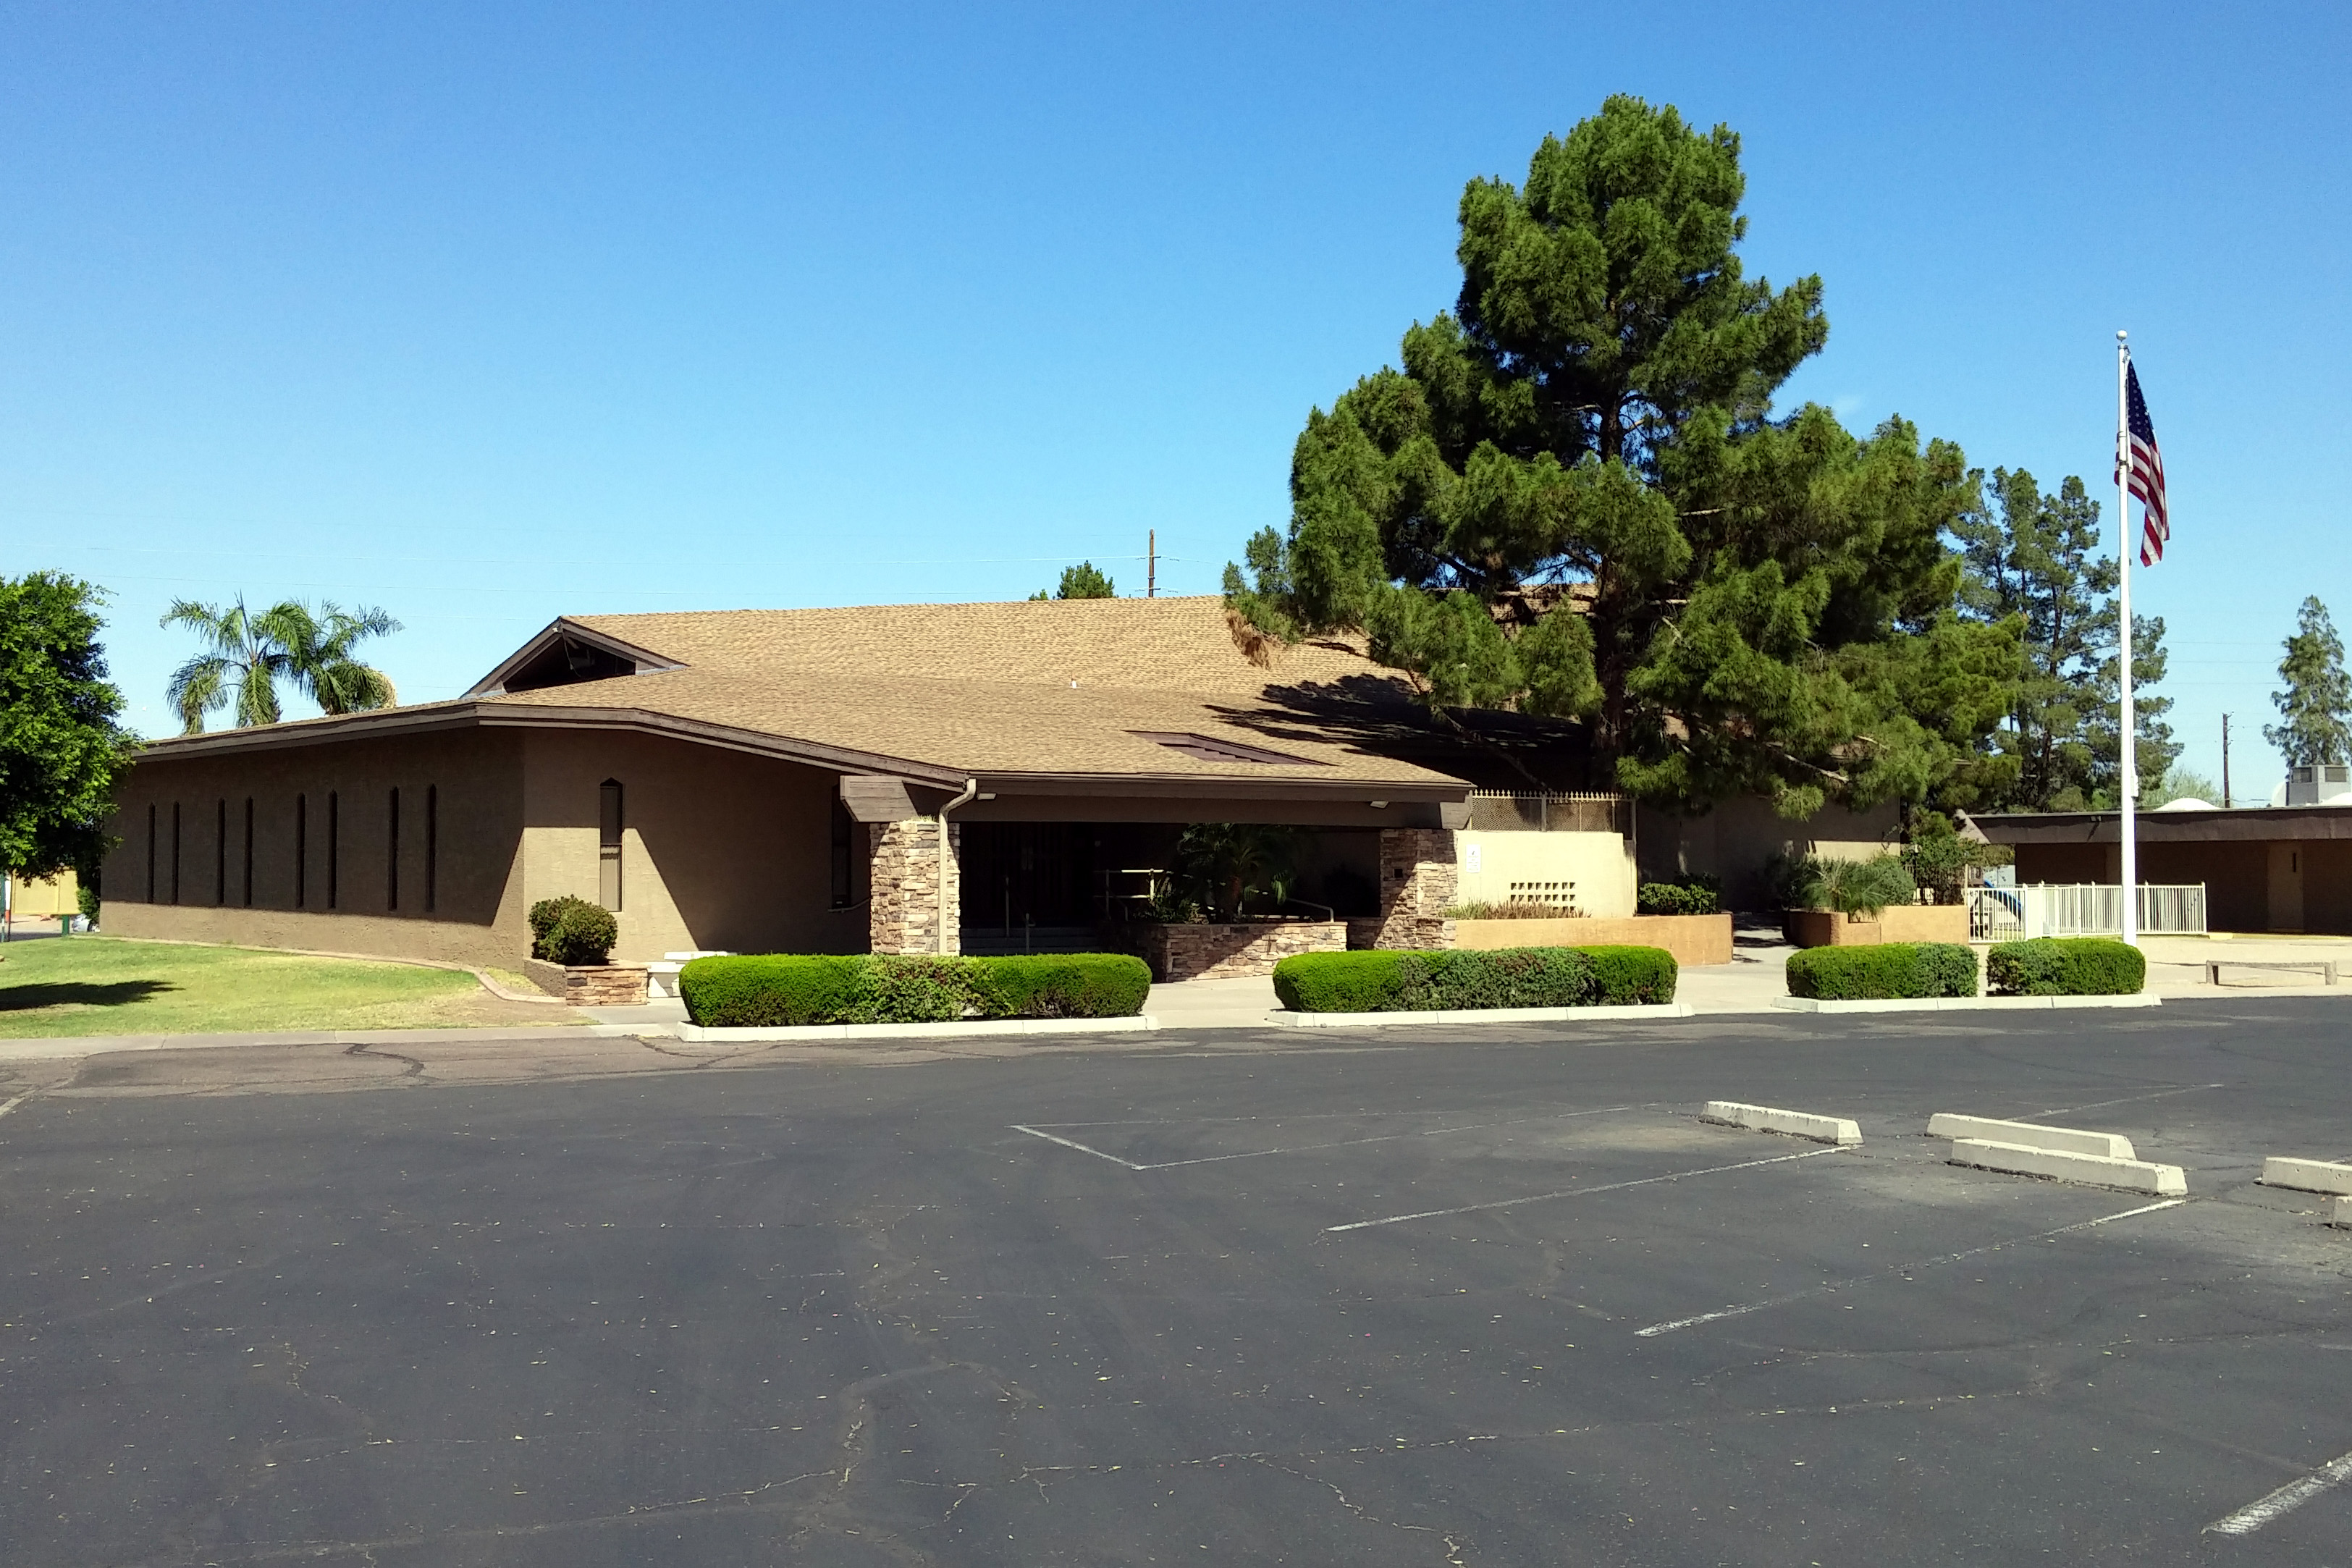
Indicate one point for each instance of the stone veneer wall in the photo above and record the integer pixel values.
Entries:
(585, 985)
(903, 907)
(1206, 952)
(1417, 886)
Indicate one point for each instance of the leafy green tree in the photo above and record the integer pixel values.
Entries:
(2317, 700)
(1572, 501)
(2180, 784)
(246, 654)
(61, 748)
(1081, 582)
(2033, 558)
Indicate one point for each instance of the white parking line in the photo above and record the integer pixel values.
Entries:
(2128, 1099)
(2293, 1495)
(1577, 1192)
(1295, 1148)
(13, 1104)
(1832, 1288)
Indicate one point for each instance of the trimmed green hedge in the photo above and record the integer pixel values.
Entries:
(1881, 970)
(1625, 976)
(771, 990)
(2066, 966)
(1458, 980)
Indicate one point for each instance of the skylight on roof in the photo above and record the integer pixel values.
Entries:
(1210, 749)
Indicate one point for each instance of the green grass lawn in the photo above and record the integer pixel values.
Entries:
(99, 986)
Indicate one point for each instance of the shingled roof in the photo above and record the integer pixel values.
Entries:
(1101, 689)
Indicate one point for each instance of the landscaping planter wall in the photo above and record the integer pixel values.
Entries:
(1897, 923)
(1692, 938)
(598, 985)
(1229, 952)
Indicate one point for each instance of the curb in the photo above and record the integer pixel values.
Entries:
(1960, 1004)
(1651, 1010)
(2089, 1170)
(2034, 1135)
(982, 1028)
(2306, 1175)
(1795, 1123)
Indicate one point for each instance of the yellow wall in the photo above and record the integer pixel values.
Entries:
(44, 900)
(1599, 865)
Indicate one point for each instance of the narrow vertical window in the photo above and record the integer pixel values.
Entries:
(150, 854)
(432, 846)
(334, 843)
(301, 849)
(176, 851)
(249, 852)
(842, 828)
(392, 852)
(220, 852)
(608, 845)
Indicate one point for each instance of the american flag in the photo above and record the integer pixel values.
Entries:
(2146, 471)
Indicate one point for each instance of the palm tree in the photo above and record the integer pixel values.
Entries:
(248, 653)
(243, 657)
(322, 663)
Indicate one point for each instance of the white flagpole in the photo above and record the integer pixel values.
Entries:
(2130, 742)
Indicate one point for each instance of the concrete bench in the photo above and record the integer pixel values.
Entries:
(2213, 967)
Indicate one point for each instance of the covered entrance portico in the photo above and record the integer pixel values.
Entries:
(1045, 865)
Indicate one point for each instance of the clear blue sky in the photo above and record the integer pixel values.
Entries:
(489, 313)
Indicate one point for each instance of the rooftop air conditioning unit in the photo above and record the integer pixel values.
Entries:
(2319, 783)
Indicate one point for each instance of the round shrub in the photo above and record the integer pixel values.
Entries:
(571, 931)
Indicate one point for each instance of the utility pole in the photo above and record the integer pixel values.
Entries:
(2225, 760)
(1151, 563)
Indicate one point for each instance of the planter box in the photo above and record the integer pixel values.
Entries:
(589, 986)
(1232, 952)
(1897, 923)
(1694, 939)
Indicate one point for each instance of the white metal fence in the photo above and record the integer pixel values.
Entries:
(2082, 908)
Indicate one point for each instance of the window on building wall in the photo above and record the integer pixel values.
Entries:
(220, 852)
(608, 843)
(150, 854)
(176, 851)
(844, 829)
(301, 849)
(432, 846)
(249, 852)
(334, 843)
(392, 851)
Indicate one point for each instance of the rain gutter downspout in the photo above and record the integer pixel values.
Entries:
(971, 788)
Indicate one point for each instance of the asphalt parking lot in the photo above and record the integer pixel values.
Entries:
(1477, 1296)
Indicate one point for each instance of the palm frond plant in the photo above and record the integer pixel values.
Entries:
(240, 663)
(247, 653)
(321, 662)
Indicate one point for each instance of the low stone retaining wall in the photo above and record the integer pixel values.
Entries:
(1694, 939)
(598, 985)
(1897, 923)
(1230, 952)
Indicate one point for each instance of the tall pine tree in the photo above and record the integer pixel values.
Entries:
(2317, 700)
(2035, 557)
(1573, 499)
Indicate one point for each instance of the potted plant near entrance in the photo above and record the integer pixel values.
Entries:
(1220, 915)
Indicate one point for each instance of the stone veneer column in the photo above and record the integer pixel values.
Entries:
(1417, 886)
(905, 900)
